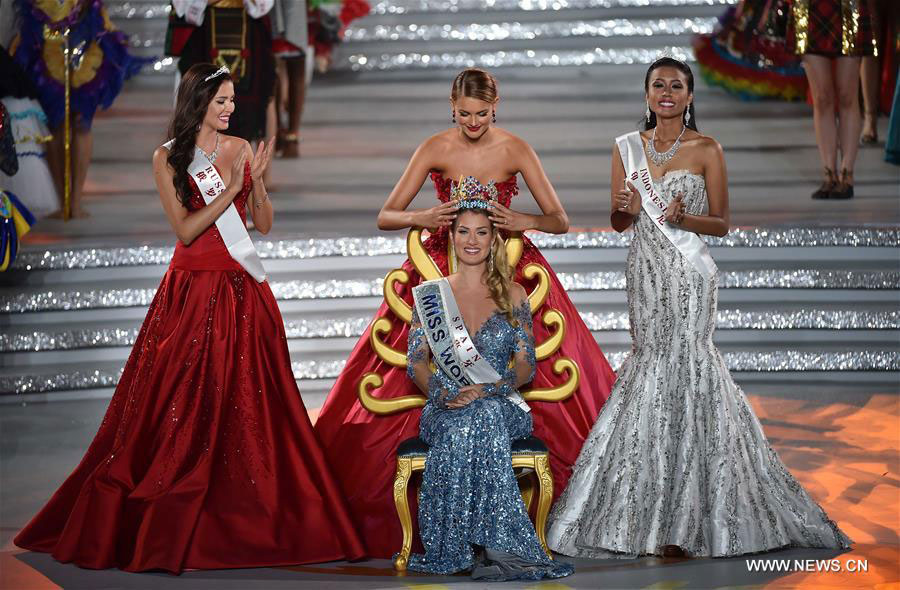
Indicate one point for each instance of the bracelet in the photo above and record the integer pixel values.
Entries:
(259, 203)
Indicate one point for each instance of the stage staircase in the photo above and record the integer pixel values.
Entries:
(415, 35)
(797, 307)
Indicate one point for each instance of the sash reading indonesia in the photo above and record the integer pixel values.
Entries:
(631, 148)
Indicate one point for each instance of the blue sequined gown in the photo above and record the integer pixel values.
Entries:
(471, 514)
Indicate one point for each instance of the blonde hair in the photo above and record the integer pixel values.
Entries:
(474, 83)
(499, 277)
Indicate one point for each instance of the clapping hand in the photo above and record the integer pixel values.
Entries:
(237, 173)
(675, 210)
(261, 159)
(627, 200)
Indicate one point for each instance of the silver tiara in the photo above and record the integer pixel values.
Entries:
(222, 70)
(669, 53)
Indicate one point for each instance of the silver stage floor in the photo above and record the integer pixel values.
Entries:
(841, 444)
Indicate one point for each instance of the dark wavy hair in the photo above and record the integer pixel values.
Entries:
(671, 62)
(194, 95)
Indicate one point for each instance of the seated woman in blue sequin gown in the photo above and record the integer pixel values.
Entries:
(471, 514)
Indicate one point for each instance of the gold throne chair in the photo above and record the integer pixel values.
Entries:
(530, 457)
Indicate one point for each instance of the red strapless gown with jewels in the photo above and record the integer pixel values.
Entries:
(361, 446)
(205, 458)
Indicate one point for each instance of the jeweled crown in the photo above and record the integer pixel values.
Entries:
(469, 193)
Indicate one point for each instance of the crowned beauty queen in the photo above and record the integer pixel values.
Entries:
(572, 375)
(475, 328)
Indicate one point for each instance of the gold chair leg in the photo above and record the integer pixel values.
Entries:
(545, 498)
(526, 488)
(401, 500)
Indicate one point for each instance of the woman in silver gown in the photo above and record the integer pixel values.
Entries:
(677, 462)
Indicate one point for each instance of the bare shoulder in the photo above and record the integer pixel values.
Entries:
(160, 158)
(436, 146)
(439, 141)
(234, 145)
(510, 140)
(513, 148)
(517, 293)
(704, 143)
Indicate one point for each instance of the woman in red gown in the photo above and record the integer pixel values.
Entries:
(206, 457)
(360, 445)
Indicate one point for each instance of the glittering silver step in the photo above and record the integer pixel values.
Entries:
(757, 237)
(153, 9)
(339, 348)
(883, 363)
(403, 7)
(427, 34)
(130, 10)
(315, 391)
(90, 297)
(791, 321)
(537, 58)
(586, 301)
(349, 59)
(568, 259)
(408, 37)
(527, 31)
(546, 34)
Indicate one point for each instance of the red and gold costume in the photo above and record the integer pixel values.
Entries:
(832, 28)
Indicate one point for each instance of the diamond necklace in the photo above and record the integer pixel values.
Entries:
(212, 157)
(658, 158)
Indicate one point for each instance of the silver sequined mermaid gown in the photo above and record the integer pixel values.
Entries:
(677, 455)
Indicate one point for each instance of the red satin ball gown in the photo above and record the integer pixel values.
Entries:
(206, 457)
(361, 446)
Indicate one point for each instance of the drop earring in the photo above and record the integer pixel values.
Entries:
(453, 116)
(494, 117)
(648, 112)
(687, 116)
(491, 262)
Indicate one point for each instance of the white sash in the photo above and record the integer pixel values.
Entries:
(230, 225)
(631, 148)
(451, 345)
(191, 10)
(258, 8)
